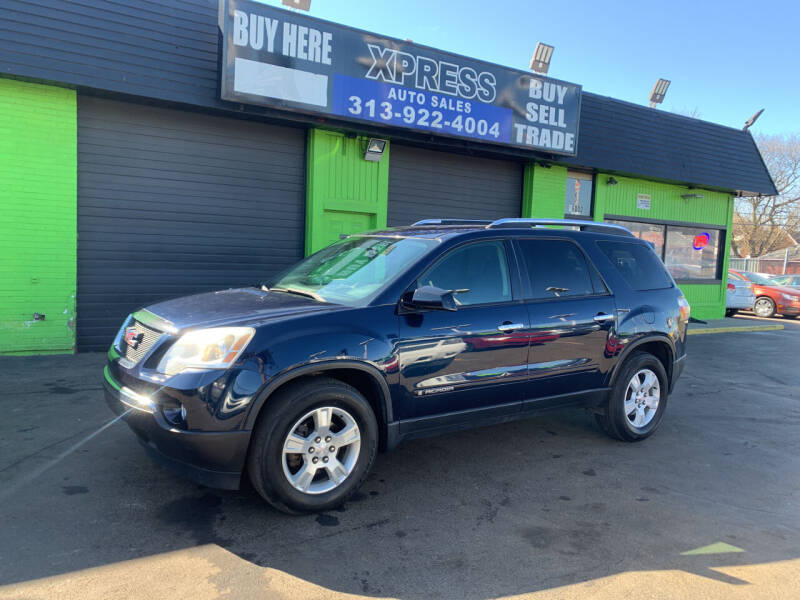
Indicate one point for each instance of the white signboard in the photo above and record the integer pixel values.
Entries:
(643, 201)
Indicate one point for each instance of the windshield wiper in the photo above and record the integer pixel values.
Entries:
(299, 292)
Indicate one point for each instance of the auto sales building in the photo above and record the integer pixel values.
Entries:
(160, 148)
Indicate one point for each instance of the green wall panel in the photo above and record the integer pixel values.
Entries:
(38, 212)
(543, 191)
(714, 208)
(665, 201)
(345, 193)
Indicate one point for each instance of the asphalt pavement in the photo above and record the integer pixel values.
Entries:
(709, 507)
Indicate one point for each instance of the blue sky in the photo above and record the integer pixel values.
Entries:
(725, 59)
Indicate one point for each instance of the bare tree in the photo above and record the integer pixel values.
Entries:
(692, 113)
(763, 223)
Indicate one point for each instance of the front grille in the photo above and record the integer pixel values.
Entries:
(149, 337)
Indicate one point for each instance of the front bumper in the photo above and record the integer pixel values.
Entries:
(213, 459)
(789, 309)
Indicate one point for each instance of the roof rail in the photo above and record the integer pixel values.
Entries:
(452, 222)
(593, 226)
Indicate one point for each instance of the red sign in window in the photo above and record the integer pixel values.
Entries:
(701, 241)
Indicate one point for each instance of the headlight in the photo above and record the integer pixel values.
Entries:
(214, 348)
(790, 298)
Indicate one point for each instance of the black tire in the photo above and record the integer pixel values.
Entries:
(614, 421)
(265, 458)
(768, 303)
(729, 312)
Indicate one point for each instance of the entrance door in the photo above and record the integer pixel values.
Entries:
(473, 358)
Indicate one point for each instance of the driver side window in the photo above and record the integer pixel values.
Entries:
(478, 271)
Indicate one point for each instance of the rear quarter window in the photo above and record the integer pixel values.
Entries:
(638, 265)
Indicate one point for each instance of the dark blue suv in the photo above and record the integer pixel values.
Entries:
(396, 334)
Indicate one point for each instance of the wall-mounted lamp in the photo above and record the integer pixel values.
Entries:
(611, 181)
(689, 196)
(375, 148)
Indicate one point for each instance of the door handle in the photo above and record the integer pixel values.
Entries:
(603, 317)
(509, 326)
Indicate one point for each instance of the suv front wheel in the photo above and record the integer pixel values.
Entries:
(313, 446)
(638, 399)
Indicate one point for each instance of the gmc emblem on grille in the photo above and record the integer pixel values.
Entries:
(132, 337)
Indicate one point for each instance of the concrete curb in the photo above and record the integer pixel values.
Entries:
(734, 329)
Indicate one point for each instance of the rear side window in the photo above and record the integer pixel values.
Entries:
(638, 265)
(558, 268)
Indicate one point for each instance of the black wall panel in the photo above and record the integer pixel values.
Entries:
(172, 203)
(426, 184)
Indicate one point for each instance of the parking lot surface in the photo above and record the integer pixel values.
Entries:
(707, 507)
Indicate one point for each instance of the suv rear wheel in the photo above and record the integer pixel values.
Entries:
(313, 446)
(638, 399)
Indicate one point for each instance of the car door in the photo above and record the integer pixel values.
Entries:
(572, 315)
(473, 358)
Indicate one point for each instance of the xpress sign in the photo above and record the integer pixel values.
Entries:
(276, 58)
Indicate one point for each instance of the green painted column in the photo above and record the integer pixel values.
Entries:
(345, 193)
(38, 218)
(543, 191)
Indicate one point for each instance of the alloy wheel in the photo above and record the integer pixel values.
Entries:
(642, 397)
(321, 450)
(763, 307)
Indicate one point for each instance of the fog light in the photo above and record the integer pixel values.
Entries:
(175, 415)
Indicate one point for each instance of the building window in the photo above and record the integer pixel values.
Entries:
(690, 252)
(578, 201)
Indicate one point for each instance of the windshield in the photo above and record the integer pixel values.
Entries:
(354, 270)
(756, 278)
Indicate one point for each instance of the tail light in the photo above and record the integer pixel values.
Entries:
(731, 287)
(683, 304)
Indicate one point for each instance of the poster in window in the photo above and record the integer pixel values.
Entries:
(578, 200)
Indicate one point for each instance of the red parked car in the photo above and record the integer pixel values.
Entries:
(771, 298)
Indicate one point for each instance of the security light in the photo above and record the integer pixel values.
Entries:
(540, 61)
(375, 148)
(659, 91)
(611, 181)
(752, 120)
(298, 4)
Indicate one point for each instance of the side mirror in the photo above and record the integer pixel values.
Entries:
(429, 297)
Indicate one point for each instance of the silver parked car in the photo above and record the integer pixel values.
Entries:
(740, 296)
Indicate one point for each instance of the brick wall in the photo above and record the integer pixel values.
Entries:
(38, 211)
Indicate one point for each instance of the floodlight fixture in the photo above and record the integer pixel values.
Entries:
(375, 148)
(540, 61)
(752, 120)
(659, 91)
(298, 4)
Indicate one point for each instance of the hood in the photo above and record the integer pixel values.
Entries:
(233, 306)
